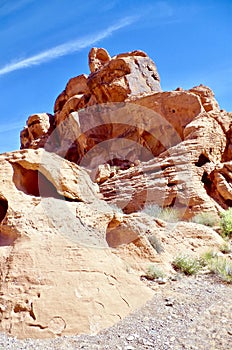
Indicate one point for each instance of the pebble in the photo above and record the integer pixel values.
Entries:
(160, 280)
(130, 338)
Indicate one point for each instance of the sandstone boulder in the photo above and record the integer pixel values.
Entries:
(98, 58)
(123, 76)
(207, 97)
(35, 134)
(58, 274)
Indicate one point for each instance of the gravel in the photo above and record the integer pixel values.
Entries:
(189, 313)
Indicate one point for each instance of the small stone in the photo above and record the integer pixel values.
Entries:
(152, 333)
(172, 339)
(147, 342)
(130, 338)
(162, 280)
(169, 302)
(174, 278)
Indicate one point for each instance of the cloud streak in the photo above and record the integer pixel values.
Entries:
(9, 127)
(66, 48)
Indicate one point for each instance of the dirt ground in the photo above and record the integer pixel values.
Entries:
(187, 313)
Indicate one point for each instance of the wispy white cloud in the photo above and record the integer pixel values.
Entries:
(66, 48)
(10, 127)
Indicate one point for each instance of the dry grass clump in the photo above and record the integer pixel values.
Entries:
(187, 264)
(166, 214)
(154, 272)
(206, 218)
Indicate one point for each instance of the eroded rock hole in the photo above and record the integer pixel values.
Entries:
(33, 182)
(228, 202)
(207, 182)
(202, 160)
(3, 207)
(121, 163)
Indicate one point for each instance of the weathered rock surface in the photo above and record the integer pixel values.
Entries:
(111, 80)
(207, 98)
(118, 116)
(58, 275)
(124, 76)
(98, 58)
(35, 134)
(70, 263)
(185, 176)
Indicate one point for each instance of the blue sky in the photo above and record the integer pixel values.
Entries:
(45, 43)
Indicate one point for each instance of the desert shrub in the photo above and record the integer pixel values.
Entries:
(156, 244)
(152, 210)
(218, 265)
(154, 272)
(226, 223)
(221, 267)
(166, 214)
(206, 218)
(225, 248)
(207, 256)
(187, 264)
(169, 215)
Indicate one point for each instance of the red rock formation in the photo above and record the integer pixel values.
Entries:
(64, 251)
(118, 116)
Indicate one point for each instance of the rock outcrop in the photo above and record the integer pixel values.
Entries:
(118, 117)
(69, 262)
(70, 259)
(58, 274)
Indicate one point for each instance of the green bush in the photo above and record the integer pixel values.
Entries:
(208, 256)
(187, 264)
(225, 248)
(226, 223)
(218, 265)
(222, 267)
(206, 218)
(153, 272)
